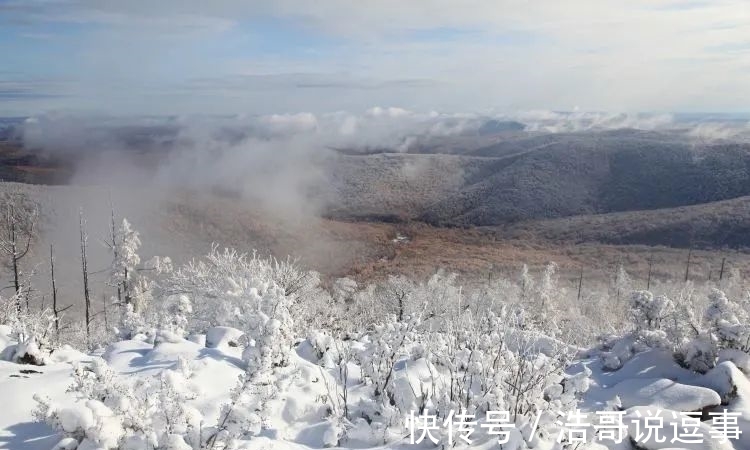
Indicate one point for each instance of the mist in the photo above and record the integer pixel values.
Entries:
(265, 182)
(283, 164)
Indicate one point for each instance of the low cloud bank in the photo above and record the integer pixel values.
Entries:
(280, 160)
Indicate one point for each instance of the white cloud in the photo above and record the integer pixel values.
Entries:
(639, 55)
(287, 124)
(390, 112)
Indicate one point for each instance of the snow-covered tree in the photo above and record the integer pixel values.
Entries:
(132, 291)
(649, 312)
(344, 289)
(227, 288)
(125, 245)
(621, 285)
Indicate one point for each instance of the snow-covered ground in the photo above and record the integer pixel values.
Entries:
(234, 351)
(299, 415)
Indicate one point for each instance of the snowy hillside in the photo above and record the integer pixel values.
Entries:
(235, 351)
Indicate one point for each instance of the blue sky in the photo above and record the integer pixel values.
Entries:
(227, 56)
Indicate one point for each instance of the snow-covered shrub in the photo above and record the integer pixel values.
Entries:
(650, 312)
(336, 356)
(460, 355)
(173, 317)
(387, 344)
(727, 321)
(734, 285)
(118, 413)
(97, 337)
(343, 289)
(695, 336)
(270, 337)
(698, 354)
(314, 309)
(725, 325)
(493, 364)
(270, 340)
(325, 347)
(295, 281)
(396, 297)
(226, 288)
(86, 425)
(543, 300)
(32, 331)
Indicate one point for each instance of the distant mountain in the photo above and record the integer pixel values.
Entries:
(595, 173)
(543, 176)
(502, 176)
(723, 224)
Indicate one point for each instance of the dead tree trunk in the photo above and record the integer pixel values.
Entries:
(721, 272)
(580, 284)
(687, 265)
(104, 306)
(85, 270)
(113, 245)
(54, 290)
(10, 246)
(14, 259)
(650, 266)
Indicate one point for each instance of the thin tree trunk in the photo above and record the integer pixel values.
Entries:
(104, 304)
(113, 231)
(11, 223)
(54, 290)
(650, 265)
(85, 270)
(16, 279)
(10, 247)
(687, 265)
(721, 273)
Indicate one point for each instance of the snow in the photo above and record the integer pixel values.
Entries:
(665, 394)
(734, 388)
(223, 337)
(730, 383)
(654, 363)
(18, 429)
(28, 352)
(651, 383)
(66, 444)
(262, 385)
(66, 354)
(738, 357)
(5, 337)
(76, 417)
(127, 356)
(298, 420)
(175, 442)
